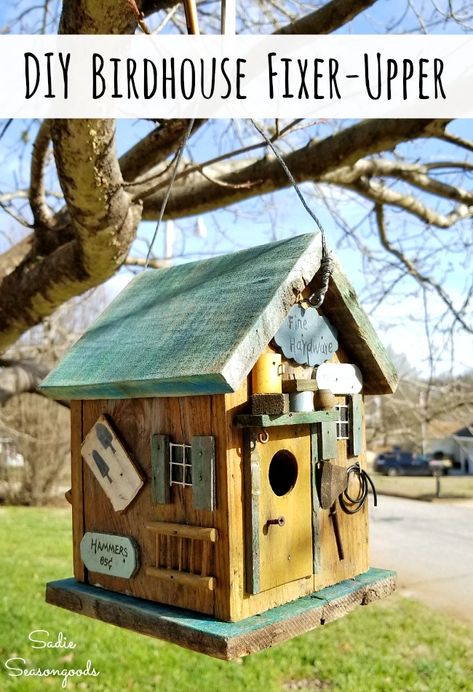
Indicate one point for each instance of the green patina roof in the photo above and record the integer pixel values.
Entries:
(199, 328)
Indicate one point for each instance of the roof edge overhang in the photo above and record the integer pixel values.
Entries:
(341, 306)
(265, 327)
(198, 385)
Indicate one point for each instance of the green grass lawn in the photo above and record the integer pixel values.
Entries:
(423, 487)
(392, 645)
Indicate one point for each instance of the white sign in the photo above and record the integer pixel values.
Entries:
(306, 337)
(339, 378)
(106, 553)
(402, 76)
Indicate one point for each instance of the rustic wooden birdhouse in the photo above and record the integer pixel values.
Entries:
(218, 452)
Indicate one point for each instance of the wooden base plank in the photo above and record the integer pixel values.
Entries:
(225, 640)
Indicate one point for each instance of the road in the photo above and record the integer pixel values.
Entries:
(430, 546)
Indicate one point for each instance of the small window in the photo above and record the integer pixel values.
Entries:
(343, 422)
(180, 461)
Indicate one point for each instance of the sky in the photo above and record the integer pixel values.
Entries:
(281, 215)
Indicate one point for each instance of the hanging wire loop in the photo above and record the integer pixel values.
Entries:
(326, 263)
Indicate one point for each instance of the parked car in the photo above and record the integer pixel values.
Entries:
(406, 464)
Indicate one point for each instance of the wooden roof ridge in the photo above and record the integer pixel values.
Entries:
(199, 327)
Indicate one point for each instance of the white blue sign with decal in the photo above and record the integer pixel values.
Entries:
(307, 337)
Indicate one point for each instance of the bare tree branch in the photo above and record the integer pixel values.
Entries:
(19, 377)
(193, 194)
(382, 194)
(327, 18)
(154, 148)
(41, 213)
(422, 279)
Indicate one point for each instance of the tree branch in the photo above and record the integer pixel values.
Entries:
(193, 194)
(328, 18)
(92, 240)
(155, 148)
(412, 269)
(382, 194)
(18, 377)
(41, 213)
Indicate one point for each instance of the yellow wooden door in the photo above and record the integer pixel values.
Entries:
(285, 513)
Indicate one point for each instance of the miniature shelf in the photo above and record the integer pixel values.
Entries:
(225, 640)
(200, 533)
(266, 421)
(183, 532)
(184, 578)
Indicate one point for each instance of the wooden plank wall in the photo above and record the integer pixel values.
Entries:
(182, 418)
(135, 420)
(353, 531)
(242, 604)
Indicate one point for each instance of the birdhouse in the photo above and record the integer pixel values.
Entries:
(219, 489)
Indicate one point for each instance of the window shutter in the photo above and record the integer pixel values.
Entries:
(356, 417)
(328, 440)
(203, 473)
(160, 490)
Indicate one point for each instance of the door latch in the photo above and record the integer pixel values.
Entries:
(280, 521)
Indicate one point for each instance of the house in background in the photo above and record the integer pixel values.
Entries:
(455, 443)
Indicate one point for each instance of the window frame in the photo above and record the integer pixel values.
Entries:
(343, 423)
(185, 465)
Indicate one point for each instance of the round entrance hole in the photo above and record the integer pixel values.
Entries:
(282, 472)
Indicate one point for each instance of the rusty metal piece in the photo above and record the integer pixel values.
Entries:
(263, 437)
(333, 482)
(336, 531)
(280, 521)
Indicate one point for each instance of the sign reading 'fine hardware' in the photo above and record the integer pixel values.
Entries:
(307, 337)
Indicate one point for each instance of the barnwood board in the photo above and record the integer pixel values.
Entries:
(251, 538)
(285, 552)
(233, 306)
(218, 314)
(235, 603)
(314, 459)
(167, 528)
(207, 635)
(137, 419)
(358, 336)
(111, 465)
(160, 490)
(77, 488)
(196, 581)
(328, 440)
(341, 599)
(303, 418)
(203, 472)
(356, 424)
(353, 532)
(299, 385)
